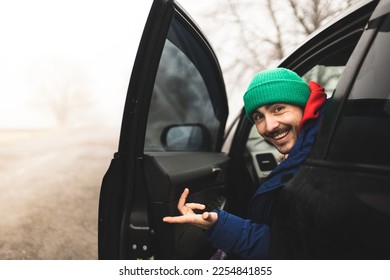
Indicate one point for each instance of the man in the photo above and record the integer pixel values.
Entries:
(286, 112)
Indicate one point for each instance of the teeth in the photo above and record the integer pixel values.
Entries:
(281, 135)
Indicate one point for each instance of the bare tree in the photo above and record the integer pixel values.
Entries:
(261, 32)
(65, 91)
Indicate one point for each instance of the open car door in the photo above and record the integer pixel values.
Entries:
(171, 135)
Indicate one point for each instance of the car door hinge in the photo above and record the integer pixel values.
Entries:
(141, 236)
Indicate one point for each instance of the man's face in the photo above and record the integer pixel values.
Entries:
(278, 123)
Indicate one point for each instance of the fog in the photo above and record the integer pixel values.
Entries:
(64, 72)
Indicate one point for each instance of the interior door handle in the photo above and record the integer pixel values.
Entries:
(216, 169)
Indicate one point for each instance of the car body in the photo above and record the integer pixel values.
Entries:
(173, 136)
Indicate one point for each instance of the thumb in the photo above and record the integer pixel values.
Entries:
(210, 216)
(205, 215)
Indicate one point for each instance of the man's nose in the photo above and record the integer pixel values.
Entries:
(270, 124)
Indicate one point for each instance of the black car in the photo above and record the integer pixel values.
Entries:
(173, 136)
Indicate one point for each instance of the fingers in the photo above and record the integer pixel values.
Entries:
(182, 201)
(205, 220)
(206, 216)
(195, 206)
(183, 197)
(180, 219)
(173, 220)
(187, 208)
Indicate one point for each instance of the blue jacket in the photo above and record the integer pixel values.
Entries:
(250, 238)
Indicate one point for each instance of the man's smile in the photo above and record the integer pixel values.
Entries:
(279, 134)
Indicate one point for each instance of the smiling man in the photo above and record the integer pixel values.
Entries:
(286, 112)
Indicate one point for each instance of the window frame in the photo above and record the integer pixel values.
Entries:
(368, 40)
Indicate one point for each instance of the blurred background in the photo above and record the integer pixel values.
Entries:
(64, 72)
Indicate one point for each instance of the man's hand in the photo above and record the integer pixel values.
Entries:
(204, 220)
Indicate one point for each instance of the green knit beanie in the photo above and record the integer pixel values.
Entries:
(278, 85)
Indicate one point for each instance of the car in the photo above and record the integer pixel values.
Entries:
(173, 136)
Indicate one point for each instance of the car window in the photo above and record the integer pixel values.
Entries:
(362, 133)
(181, 96)
(328, 64)
(326, 76)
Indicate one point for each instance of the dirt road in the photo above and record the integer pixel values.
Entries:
(49, 191)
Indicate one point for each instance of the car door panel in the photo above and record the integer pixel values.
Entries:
(167, 174)
(168, 171)
(327, 219)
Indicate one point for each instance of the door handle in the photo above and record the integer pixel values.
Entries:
(216, 169)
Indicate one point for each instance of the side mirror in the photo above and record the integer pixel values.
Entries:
(188, 137)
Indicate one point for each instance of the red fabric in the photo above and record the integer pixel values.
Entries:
(316, 99)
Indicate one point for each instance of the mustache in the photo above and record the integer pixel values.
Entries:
(277, 131)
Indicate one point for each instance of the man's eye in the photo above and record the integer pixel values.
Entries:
(257, 117)
(279, 109)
